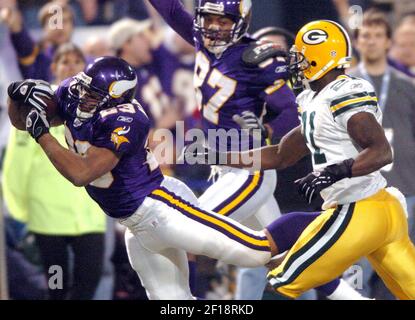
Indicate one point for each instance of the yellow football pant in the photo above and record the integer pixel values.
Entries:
(375, 227)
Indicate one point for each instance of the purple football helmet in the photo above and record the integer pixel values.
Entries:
(239, 11)
(105, 83)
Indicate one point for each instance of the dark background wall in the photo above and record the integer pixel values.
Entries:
(292, 14)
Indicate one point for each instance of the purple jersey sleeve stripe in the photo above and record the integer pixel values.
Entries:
(30, 59)
(34, 63)
(176, 17)
(219, 222)
(241, 196)
(23, 44)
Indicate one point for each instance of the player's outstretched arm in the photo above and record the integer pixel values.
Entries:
(291, 149)
(79, 170)
(176, 16)
(370, 136)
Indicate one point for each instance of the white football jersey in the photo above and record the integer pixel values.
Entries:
(324, 120)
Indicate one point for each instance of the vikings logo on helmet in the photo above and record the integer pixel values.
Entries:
(117, 136)
(117, 88)
(106, 83)
(245, 7)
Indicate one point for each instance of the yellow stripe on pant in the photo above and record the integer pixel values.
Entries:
(225, 225)
(242, 196)
(375, 227)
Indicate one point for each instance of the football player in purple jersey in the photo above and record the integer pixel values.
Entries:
(106, 131)
(235, 76)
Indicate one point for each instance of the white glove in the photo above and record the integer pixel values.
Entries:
(249, 121)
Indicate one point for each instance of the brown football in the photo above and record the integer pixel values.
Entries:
(19, 111)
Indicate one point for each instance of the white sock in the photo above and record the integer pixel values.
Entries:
(345, 292)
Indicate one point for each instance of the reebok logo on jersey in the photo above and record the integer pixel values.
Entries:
(125, 119)
(356, 86)
(280, 69)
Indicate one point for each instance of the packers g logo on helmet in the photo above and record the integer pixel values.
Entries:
(315, 36)
(320, 46)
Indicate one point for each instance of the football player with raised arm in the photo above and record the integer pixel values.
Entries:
(234, 76)
(341, 128)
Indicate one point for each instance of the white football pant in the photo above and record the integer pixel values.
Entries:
(247, 198)
(168, 224)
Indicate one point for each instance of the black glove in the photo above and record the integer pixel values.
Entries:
(248, 120)
(31, 92)
(37, 124)
(311, 185)
(196, 153)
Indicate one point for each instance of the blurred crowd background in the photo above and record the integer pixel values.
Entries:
(48, 220)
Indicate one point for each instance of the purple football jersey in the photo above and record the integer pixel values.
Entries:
(123, 130)
(150, 92)
(226, 85)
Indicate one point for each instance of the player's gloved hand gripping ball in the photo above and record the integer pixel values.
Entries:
(31, 93)
(32, 103)
(37, 124)
(311, 185)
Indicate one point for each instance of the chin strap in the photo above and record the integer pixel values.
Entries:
(218, 50)
(84, 116)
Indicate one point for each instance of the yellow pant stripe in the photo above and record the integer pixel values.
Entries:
(204, 216)
(243, 195)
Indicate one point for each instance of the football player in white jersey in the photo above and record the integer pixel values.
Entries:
(341, 128)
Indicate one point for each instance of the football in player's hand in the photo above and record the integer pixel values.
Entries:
(18, 111)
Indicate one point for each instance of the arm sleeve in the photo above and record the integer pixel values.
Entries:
(345, 117)
(355, 97)
(176, 16)
(271, 76)
(33, 64)
(281, 104)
